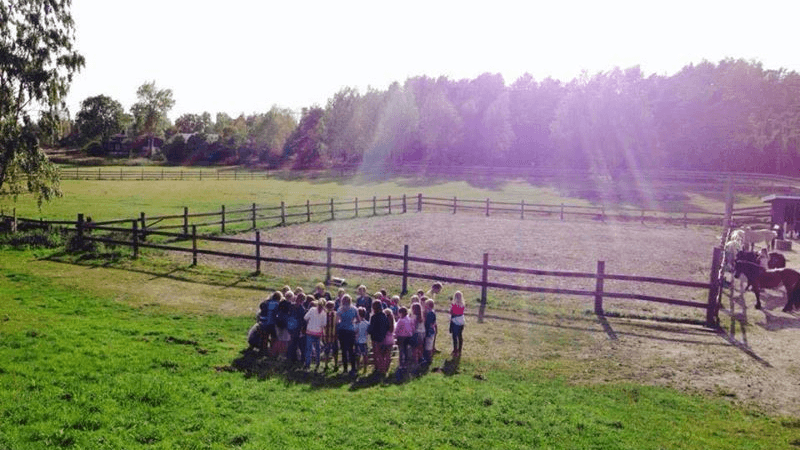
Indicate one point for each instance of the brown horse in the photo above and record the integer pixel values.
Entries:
(760, 278)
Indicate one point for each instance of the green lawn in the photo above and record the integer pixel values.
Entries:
(86, 363)
(104, 200)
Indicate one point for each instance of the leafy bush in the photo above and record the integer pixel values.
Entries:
(94, 148)
(32, 238)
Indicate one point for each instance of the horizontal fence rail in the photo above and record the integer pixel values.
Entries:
(89, 232)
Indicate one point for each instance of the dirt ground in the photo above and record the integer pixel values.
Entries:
(752, 359)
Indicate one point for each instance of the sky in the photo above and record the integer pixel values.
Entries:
(238, 56)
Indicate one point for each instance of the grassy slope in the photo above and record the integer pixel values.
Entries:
(80, 369)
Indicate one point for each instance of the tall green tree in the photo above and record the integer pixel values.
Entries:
(99, 117)
(150, 112)
(305, 143)
(37, 62)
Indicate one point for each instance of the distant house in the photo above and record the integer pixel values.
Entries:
(116, 145)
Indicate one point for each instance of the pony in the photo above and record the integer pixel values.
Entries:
(760, 278)
(775, 261)
(752, 237)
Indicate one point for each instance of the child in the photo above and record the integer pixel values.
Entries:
(315, 324)
(419, 333)
(435, 289)
(329, 344)
(346, 315)
(394, 304)
(266, 318)
(361, 336)
(430, 331)
(403, 331)
(763, 258)
(338, 302)
(457, 322)
(388, 342)
(281, 345)
(378, 328)
(363, 300)
(295, 325)
(321, 293)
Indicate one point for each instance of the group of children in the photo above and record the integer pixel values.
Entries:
(316, 326)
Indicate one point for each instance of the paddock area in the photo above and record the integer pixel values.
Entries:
(750, 359)
(649, 250)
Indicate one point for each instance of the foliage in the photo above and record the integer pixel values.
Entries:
(37, 62)
(99, 118)
(176, 150)
(150, 112)
(305, 143)
(94, 148)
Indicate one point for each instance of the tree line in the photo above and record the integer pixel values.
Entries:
(733, 115)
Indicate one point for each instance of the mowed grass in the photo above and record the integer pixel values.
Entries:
(81, 369)
(110, 199)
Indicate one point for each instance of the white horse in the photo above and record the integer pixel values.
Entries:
(752, 237)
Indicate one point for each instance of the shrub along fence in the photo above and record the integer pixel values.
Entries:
(89, 232)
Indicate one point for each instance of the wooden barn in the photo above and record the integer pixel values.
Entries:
(785, 211)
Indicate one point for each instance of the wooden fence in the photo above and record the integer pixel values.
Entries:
(89, 232)
(256, 216)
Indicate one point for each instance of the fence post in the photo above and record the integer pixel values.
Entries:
(419, 202)
(374, 206)
(222, 213)
(712, 319)
(356, 203)
(562, 212)
(487, 207)
(643, 217)
(135, 238)
(14, 220)
(194, 245)
(328, 263)
(455, 204)
(484, 288)
(390, 204)
(283, 214)
(598, 290)
(120, 173)
(181, 174)
(333, 216)
(98, 173)
(522, 209)
(308, 210)
(78, 226)
(258, 251)
(201, 174)
(185, 220)
(602, 213)
(404, 203)
(404, 291)
(254, 216)
(685, 224)
(143, 225)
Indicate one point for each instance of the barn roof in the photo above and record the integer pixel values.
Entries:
(771, 198)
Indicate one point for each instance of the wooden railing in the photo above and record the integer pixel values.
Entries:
(89, 232)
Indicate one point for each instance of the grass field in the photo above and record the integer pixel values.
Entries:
(98, 367)
(147, 353)
(104, 200)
